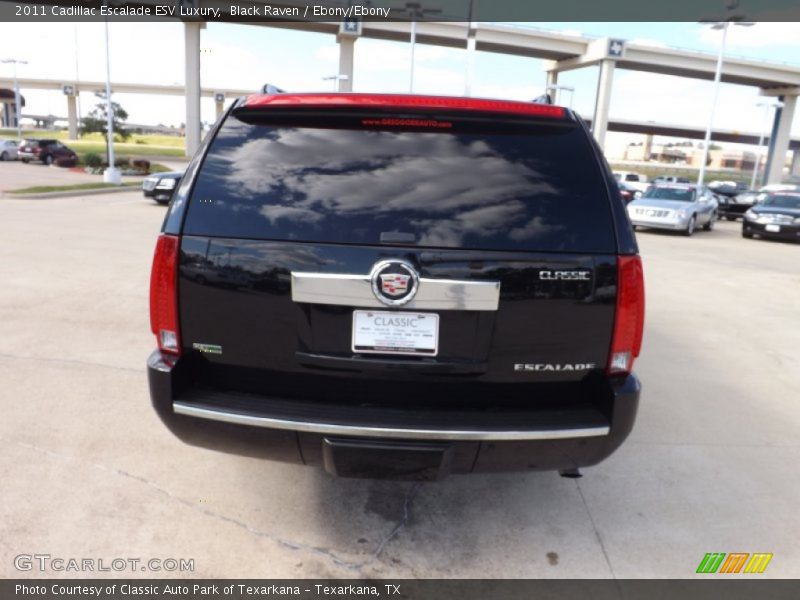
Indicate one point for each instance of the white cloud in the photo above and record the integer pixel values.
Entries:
(379, 55)
(675, 100)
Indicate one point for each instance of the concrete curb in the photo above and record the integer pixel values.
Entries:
(71, 193)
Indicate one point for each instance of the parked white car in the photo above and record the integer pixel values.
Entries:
(634, 180)
(780, 187)
(677, 206)
(8, 149)
(670, 179)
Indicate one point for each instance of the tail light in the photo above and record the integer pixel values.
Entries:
(629, 320)
(164, 295)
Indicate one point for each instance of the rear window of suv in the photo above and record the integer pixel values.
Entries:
(444, 184)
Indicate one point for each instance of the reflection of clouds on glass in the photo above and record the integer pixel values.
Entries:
(385, 171)
(485, 221)
(314, 172)
(535, 189)
(260, 257)
(444, 187)
(536, 227)
(290, 213)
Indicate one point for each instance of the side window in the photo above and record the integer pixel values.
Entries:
(632, 177)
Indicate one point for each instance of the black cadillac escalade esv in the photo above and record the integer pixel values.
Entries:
(398, 286)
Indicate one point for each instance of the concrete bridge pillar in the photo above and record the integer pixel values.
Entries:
(347, 47)
(72, 117)
(795, 170)
(779, 139)
(191, 31)
(603, 101)
(552, 78)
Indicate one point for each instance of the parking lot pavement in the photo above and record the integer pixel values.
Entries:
(15, 175)
(88, 470)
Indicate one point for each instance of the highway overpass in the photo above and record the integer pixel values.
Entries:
(562, 52)
(75, 87)
(567, 52)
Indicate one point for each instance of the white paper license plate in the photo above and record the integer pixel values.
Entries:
(773, 228)
(381, 332)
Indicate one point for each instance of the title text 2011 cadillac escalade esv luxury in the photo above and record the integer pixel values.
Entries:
(398, 286)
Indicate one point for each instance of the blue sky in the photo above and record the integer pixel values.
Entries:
(245, 56)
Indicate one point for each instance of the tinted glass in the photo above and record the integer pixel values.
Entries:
(527, 188)
(670, 193)
(783, 201)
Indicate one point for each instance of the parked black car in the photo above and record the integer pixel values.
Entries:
(776, 216)
(46, 151)
(628, 192)
(160, 186)
(734, 207)
(398, 286)
(727, 193)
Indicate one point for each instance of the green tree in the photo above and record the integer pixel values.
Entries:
(97, 120)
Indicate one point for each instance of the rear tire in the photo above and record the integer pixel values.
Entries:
(749, 236)
(730, 218)
(48, 160)
(4, 156)
(25, 160)
(690, 226)
(711, 220)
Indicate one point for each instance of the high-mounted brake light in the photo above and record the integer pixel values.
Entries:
(403, 101)
(629, 319)
(164, 295)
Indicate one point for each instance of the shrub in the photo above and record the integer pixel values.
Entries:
(140, 164)
(92, 160)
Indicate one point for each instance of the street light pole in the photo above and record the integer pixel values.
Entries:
(112, 174)
(413, 48)
(470, 50)
(414, 10)
(757, 161)
(337, 79)
(717, 77)
(723, 25)
(77, 80)
(17, 107)
(556, 89)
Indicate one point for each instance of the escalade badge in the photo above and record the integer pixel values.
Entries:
(394, 282)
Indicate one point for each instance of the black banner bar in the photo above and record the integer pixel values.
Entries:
(267, 11)
(728, 588)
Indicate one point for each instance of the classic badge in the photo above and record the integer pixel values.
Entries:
(394, 282)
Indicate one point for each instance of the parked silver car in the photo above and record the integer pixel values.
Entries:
(8, 149)
(679, 207)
